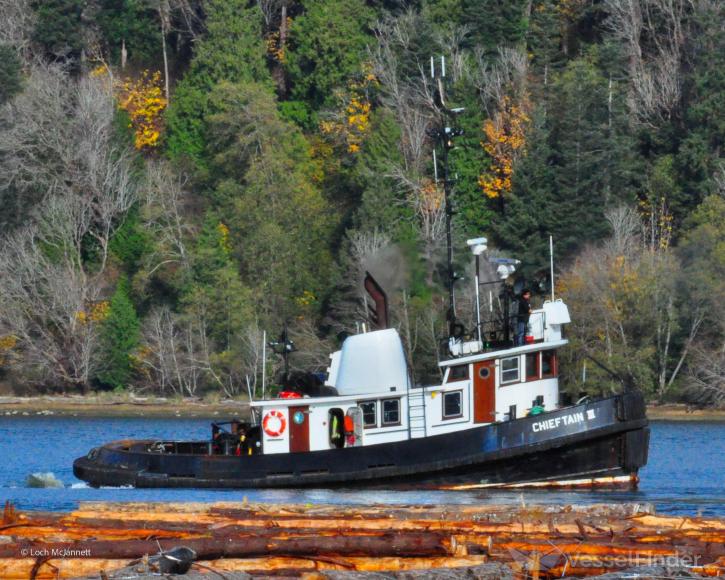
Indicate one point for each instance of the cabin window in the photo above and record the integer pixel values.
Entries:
(509, 369)
(370, 413)
(391, 411)
(457, 373)
(532, 366)
(452, 404)
(548, 363)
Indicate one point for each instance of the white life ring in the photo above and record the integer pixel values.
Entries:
(274, 423)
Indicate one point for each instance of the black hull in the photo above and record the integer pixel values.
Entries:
(612, 442)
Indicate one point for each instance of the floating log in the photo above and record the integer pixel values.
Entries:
(21, 568)
(263, 540)
(390, 544)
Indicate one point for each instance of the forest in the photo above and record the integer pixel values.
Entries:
(181, 178)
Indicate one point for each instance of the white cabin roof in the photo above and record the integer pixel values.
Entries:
(504, 353)
(320, 401)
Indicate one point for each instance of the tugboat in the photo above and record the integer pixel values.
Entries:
(495, 419)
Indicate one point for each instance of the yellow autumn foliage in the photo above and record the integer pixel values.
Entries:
(571, 9)
(275, 48)
(100, 311)
(432, 197)
(505, 142)
(307, 298)
(658, 220)
(143, 100)
(100, 70)
(352, 126)
(7, 343)
(224, 240)
(96, 312)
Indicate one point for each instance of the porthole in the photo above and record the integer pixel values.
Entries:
(484, 372)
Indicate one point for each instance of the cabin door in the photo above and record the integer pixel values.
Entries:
(299, 429)
(484, 392)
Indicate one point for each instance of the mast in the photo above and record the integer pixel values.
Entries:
(443, 135)
(449, 240)
(284, 346)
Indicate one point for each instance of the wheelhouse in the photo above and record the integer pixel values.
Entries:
(376, 402)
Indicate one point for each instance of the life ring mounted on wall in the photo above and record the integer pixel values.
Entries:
(274, 423)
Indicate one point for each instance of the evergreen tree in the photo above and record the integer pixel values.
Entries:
(279, 222)
(474, 213)
(531, 212)
(380, 207)
(495, 23)
(543, 43)
(702, 281)
(215, 291)
(10, 74)
(327, 45)
(232, 50)
(133, 23)
(59, 28)
(592, 154)
(700, 154)
(442, 11)
(130, 242)
(119, 339)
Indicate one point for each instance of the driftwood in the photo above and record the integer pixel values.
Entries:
(332, 541)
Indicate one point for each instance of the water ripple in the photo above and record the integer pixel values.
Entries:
(685, 474)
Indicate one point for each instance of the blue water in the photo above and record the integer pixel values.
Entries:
(685, 474)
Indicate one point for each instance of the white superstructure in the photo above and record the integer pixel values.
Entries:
(375, 402)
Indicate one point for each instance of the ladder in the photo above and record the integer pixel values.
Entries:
(416, 413)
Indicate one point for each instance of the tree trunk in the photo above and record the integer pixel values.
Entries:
(164, 17)
(278, 69)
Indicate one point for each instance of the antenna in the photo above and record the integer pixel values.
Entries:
(440, 93)
(478, 246)
(284, 346)
(264, 361)
(551, 264)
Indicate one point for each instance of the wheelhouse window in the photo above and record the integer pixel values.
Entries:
(369, 413)
(457, 373)
(509, 369)
(532, 366)
(391, 412)
(453, 404)
(548, 363)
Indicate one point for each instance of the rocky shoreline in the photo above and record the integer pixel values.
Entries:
(108, 405)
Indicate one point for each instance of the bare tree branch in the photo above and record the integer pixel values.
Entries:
(58, 148)
(18, 22)
(652, 33)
